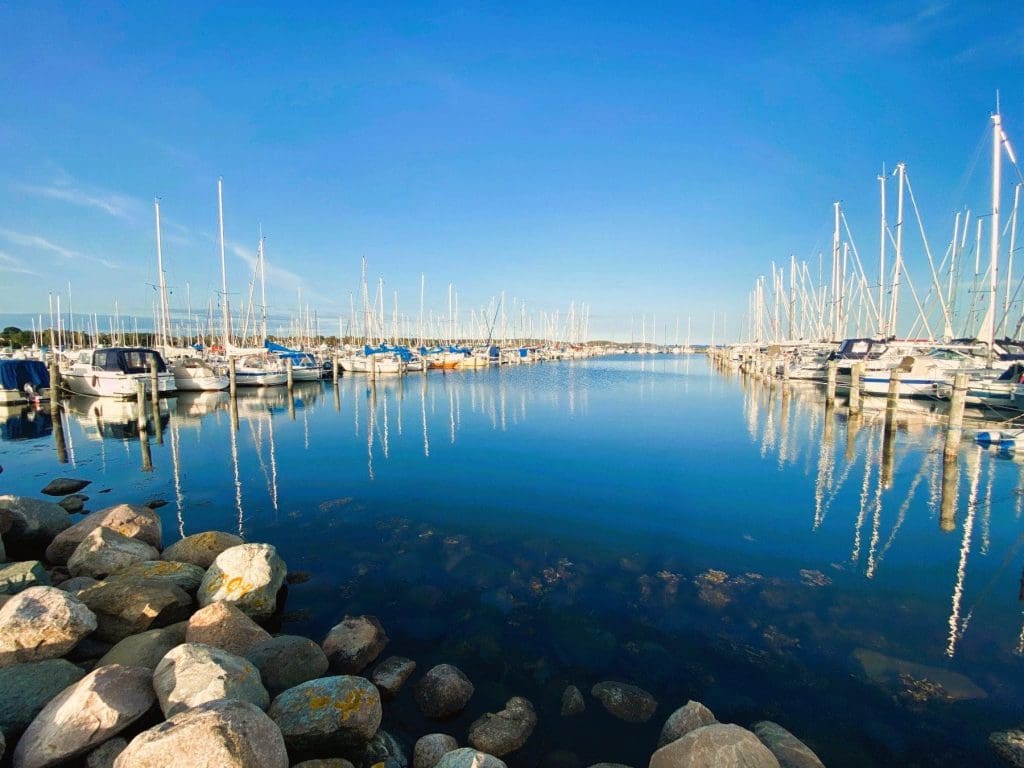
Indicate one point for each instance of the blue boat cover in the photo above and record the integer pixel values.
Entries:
(15, 374)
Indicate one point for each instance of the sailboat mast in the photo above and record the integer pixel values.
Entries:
(901, 170)
(223, 265)
(882, 329)
(988, 333)
(263, 285)
(164, 314)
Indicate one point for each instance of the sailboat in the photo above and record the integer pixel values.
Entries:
(687, 349)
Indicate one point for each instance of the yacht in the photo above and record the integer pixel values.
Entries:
(116, 371)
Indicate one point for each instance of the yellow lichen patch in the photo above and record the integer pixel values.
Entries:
(318, 702)
(349, 705)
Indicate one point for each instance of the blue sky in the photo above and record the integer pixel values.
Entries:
(640, 158)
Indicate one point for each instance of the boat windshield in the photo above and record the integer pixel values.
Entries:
(134, 360)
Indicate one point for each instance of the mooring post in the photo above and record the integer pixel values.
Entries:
(956, 414)
(232, 377)
(830, 385)
(893, 398)
(856, 377)
(785, 370)
(950, 492)
(54, 383)
(334, 369)
(288, 370)
(154, 380)
(140, 401)
(157, 426)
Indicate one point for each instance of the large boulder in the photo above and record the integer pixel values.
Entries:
(16, 577)
(222, 625)
(131, 520)
(390, 675)
(105, 551)
(42, 623)
(33, 522)
(469, 758)
(249, 575)
(145, 649)
(26, 688)
(354, 643)
(286, 661)
(689, 717)
(787, 748)
(506, 731)
(62, 486)
(193, 674)
(715, 746)
(572, 702)
(84, 715)
(431, 748)
(225, 733)
(124, 607)
(328, 713)
(201, 548)
(182, 575)
(443, 691)
(626, 702)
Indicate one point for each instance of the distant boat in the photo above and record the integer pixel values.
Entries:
(194, 375)
(116, 371)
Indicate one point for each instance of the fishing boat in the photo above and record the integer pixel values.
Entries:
(23, 381)
(116, 372)
(192, 374)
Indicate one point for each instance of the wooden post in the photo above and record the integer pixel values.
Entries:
(830, 386)
(232, 378)
(291, 375)
(372, 366)
(157, 426)
(337, 397)
(893, 397)
(154, 380)
(950, 495)
(856, 377)
(58, 434)
(889, 433)
(956, 414)
(785, 370)
(54, 383)
(140, 401)
(147, 455)
(334, 369)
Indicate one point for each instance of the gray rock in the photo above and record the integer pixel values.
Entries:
(715, 746)
(194, 674)
(469, 758)
(105, 754)
(431, 748)
(572, 702)
(201, 548)
(225, 733)
(222, 625)
(443, 691)
(125, 607)
(328, 713)
(286, 661)
(105, 551)
(84, 715)
(182, 575)
(76, 584)
(787, 748)
(42, 623)
(383, 750)
(130, 520)
(33, 522)
(506, 731)
(26, 688)
(689, 717)
(354, 643)
(390, 675)
(62, 486)
(74, 503)
(1009, 745)
(624, 701)
(249, 575)
(16, 577)
(145, 649)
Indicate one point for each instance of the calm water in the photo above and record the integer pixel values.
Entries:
(645, 520)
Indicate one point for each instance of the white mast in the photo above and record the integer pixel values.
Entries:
(164, 329)
(987, 333)
(836, 308)
(882, 329)
(901, 170)
(263, 284)
(1009, 258)
(223, 265)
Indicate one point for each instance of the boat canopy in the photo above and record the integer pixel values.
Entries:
(15, 374)
(397, 349)
(127, 359)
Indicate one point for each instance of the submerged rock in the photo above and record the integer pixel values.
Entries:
(715, 746)
(286, 661)
(887, 670)
(624, 701)
(105, 551)
(689, 717)
(17, 577)
(506, 731)
(62, 486)
(42, 623)
(26, 688)
(572, 702)
(145, 649)
(194, 674)
(431, 748)
(201, 548)
(354, 643)
(1009, 745)
(469, 758)
(787, 748)
(248, 575)
(129, 520)
(74, 503)
(443, 691)
(382, 751)
(328, 713)
(390, 675)
(125, 607)
(33, 522)
(222, 625)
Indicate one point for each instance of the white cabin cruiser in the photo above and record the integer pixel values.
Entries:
(116, 371)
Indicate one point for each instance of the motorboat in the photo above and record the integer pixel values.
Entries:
(116, 372)
(191, 374)
(23, 381)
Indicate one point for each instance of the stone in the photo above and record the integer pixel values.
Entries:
(1009, 745)
(124, 607)
(3, 744)
(249, 575)
(715, 746)
(192, 674)
(225, 733)
(443, 691)
(382, 751)
(286, 661)
(106, 753)
(222, 625)
(787, 748)
(572, 702)
(431, 748)
(105, 551)
(354, 643)
(76, 584)
(145, 649)
(130, 520)
(42, 623)
(331, 762)
(182, 575)
(469, 758)
(201, 548)
(609, 765)
(506, 731)
(26, 688)
(155, 503)
(16, 577)
(33, 522)
(74, 503)
(84, 715)
(328, 713)
(689, 717)
(624, 701)
(62, 486)
(390, 675)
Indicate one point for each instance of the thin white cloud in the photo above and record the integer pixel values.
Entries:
(278, 276)
(12, 265)
(42, 244)
(112, 203)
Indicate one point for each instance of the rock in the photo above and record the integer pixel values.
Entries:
(3, 550)
(390, 675)
(84, 715)
(105, 551)
(42, 623)
(3, 742)
(382, 751)
(572, 701)
(431, 748)
(787, 748)
(355, 642)
(62, 486)
(504, 732)
(609, 765)
(1009, 745)
(74, 503)
(182, 575)
(222, 625)
(88, 649)
(124, 607)
(26, 688)
(193, 674)
(201, 548)
(77, 584)
(469, 758)
(33, 522)
(286, 661)
(155, 503)
(715, 746)
(331, 762)
(248, 575)
(225, 733)
(626, 702)
(887, 671)
(105, 754)
(145, 649)
(17, 577)
(689, 717)
(328, 713)
(130, 520)
(443, 691)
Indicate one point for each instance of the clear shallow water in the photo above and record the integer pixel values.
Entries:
(638, 519)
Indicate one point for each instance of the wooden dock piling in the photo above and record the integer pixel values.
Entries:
(954, 430)
(893, 397)
(334, 369)
(55, 390)
(830, 383)
(232, 378)
(154, 380)
(290, 372)
(856, 381)
(140, 401)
